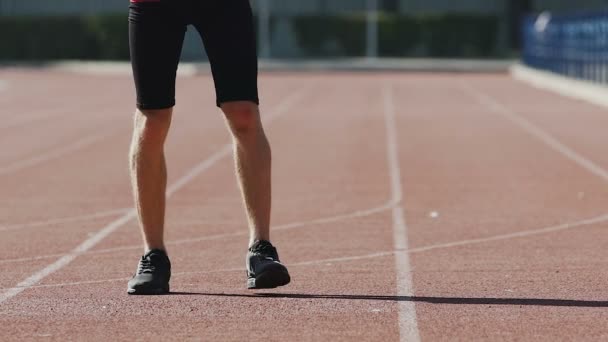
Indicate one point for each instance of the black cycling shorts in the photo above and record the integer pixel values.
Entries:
(156, 34)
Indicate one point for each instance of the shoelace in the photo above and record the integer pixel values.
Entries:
(145, 266)
(266, 250)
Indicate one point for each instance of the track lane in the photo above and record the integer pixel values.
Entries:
(306, 199)
(93, 239)
(484, 176)
(577, 124)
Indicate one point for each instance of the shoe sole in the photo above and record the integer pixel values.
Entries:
(268, 280)
(148, 292)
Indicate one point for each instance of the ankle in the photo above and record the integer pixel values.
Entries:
(150, 247)
(254, 240)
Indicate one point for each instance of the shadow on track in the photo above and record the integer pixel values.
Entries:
(433, 300)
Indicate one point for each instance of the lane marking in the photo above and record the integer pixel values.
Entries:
(346, 259)
(49, 222)
(50, 155)
(3, 85)
(408, 325)
(293, 225)
(520, 234)
(96, 238)
(288, 226)
(41, 116)
(68, 258)
(507, 113)
(525, 233)
(52, 111)
(87, 282)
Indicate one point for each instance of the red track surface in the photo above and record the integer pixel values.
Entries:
(505, 190)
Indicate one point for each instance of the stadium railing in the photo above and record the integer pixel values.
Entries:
(574, 45)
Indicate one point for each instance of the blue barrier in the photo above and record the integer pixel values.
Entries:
(574, 45)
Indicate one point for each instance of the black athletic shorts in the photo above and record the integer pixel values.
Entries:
(156, 34)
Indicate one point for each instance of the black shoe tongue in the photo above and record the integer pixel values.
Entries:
(259, 244)
(155, 253)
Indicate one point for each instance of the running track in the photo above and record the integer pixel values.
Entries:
(407, 206)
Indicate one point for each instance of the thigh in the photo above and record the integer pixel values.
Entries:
(229, 38)
(156, 35)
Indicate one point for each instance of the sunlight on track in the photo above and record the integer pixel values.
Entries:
(502, 110)
(50, 155)
(501, 237)
(284, 227)
(49, 222)
(356, 214)
(97, 237)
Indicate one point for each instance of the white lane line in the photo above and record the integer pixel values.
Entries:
(355, 214)
(3, 85)
(345, 259)
(68, 258)
(40, 257)
(288, 226)
(408, 325)
(55, 112)
(39, 115)
(49, 222)
(86, 245)
(293, 225)
(520, 234)
(87, 282)
(500, 109)
(501, 237)
(75, 283)
(50, 155)
(525, 233)
(24, 120)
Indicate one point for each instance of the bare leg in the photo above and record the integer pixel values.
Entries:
(253, 165)
(149, 173)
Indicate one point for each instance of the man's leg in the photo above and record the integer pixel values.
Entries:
(156, 34)
(149, 181)
(253, 164)
(253, 170)
(149, 173)
(229, 36)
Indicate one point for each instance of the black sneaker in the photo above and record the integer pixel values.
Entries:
(152, 275)
(264, 270)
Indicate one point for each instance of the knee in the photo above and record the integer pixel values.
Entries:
(152, 126)
(243, 117)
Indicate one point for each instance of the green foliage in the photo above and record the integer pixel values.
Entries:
(111, 35)
(70, 37)
(48, 38)
(106, 37)
(330, 35)
(453, 35)
(461, 35)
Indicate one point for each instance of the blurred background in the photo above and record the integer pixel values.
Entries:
(35, 30)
